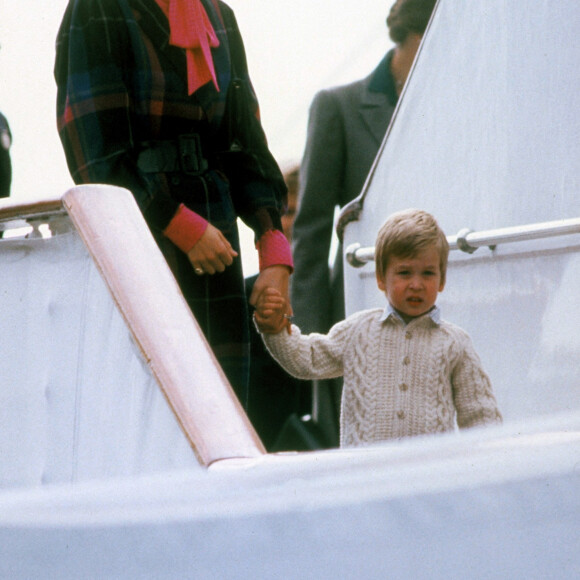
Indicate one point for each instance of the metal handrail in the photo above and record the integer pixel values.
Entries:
(468, 241)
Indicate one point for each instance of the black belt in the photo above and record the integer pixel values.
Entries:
(183, 154)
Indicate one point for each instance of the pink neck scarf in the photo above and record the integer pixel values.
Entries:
(191, 29)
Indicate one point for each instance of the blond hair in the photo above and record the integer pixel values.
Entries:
(405, 234)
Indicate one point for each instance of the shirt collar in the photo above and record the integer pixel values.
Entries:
(382, 80)
(434, 314)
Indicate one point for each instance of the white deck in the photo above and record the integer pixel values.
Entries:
(500, 505)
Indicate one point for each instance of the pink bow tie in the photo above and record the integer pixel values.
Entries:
(191, 29)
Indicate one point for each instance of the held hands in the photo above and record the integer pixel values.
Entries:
(271, 312)
(272, 281)
(277, 277)
(212, 253)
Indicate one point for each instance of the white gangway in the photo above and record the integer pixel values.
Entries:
(487, 138)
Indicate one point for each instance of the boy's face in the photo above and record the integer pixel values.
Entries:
(411, 285)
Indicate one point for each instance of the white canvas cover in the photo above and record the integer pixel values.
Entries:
(104, 371)
(503, 504)
(487, 136)
(77, 399)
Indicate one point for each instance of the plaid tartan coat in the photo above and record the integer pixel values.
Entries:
(121, 85)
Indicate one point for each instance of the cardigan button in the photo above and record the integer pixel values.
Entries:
(401, 414)
(404, 387)
(406, 360)
(408, 335)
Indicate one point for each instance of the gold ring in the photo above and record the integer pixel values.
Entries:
(198, 271)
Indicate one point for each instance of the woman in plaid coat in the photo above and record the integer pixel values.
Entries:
(142, 93)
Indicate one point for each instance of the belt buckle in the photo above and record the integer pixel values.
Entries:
(191, 157)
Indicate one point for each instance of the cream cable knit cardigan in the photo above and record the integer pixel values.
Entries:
(399, 380)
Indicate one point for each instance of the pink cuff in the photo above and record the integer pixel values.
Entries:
(185, 228)
(274, 250)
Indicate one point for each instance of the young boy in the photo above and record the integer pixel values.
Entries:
(406, 371)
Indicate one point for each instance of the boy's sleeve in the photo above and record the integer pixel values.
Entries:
(309, 356)
(473, 394)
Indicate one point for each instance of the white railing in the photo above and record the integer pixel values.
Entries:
(468, 241)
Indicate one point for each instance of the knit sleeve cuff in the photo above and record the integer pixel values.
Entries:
(185, 228)
(274, 250)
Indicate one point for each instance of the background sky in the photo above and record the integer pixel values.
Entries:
(294, 49)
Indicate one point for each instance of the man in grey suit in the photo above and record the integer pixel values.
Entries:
(345, 129)
(5, 162)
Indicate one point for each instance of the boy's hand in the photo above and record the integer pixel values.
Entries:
(270, 312)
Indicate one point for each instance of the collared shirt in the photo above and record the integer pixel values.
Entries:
(434, 314)
(382, 80)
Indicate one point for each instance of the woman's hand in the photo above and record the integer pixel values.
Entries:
(277, 277)
(212, 253)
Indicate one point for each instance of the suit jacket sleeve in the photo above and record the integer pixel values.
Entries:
(321, 176)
